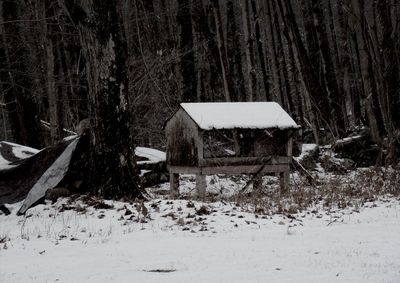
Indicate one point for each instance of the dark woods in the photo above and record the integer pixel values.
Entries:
(333, 65)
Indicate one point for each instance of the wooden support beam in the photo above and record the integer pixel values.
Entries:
(174, 185)
(184, 169)
(284, 181)
(200, 144)
(245, 169)
(233, 161)
(258, 170)
(290, 147)
(201, 185)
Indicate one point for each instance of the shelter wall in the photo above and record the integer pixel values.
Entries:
(182, 140)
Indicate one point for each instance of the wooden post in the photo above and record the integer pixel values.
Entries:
(200, 145)
(174, 185)
(284, 176)
(201, 185)
(289, 149)
(284, 181)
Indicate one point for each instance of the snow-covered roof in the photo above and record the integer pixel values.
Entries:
(230, 115)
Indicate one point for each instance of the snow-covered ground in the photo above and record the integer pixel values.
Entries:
(88, 240)
(181, 241)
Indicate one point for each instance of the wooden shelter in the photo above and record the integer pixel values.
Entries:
(229, 138)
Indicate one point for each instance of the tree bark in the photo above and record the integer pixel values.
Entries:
(112, 167)
(20, 104)
(366, 71)
(47, 34)
(207, 56)
(187, 63)
(221, 49)
(234, 60)
(260, 49)
(283, 72)
(272, 32)
(334, 95)
(249, 51)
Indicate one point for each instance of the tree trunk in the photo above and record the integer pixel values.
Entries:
(20, 103)
(234, 60)
(366, 71)
(46, 35)
(207, 57)
(248, 42)
(283, 73)
(334, 95)
(184, 19)
(316, 96)
(272, 31)
(112, 167)
(260, 49)
(221, 49)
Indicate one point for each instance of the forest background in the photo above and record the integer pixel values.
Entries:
(333, 65)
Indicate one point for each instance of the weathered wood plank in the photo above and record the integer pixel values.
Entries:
(245, 169)
(201, 185)
(226, 161)
(200, 143)
(290, 147)
(226, 169)
(182, 140)
(183, 169)
(284, 181)
(174, 185)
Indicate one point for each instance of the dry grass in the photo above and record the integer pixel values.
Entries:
(330, 191)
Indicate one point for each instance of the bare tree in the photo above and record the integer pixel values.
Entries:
(332, 64)
(16, 78)
(112, 169)
(186, 48)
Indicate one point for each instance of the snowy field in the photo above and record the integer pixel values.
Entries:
(184, 241)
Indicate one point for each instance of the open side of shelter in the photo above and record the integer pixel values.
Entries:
(254, 138)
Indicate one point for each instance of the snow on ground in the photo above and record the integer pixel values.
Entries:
(191, 241)
(217, 185)
(152, 155)
(306, 148)
(185, 241)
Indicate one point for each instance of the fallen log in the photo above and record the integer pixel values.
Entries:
(359, 148)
